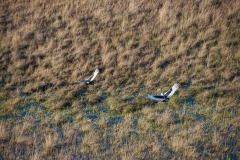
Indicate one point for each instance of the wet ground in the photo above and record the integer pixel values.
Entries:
(89, 112)
(94, 113)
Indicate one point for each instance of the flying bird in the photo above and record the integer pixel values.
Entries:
(164, 97)
(90, 80)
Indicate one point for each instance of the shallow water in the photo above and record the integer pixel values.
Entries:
(190, 102)
(93, 112)
(187, 86)
(90, 112)
(103, 96)
(82, 92)
(114, 120)
(96, 112)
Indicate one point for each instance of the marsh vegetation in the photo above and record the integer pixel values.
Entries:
(138, 46)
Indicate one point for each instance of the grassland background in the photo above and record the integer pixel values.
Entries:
(139, 46)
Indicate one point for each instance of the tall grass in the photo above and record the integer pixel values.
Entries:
(46, 46)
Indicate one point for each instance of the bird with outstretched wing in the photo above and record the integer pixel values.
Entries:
(91, 79)
(164, 97)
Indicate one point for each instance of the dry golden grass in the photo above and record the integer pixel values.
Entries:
(54, 47)
(4, 132)
(51, 142)
(46, 46)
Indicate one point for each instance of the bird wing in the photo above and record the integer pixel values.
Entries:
(83, 81)
(156, 98)
(171, 91)
(93, 76)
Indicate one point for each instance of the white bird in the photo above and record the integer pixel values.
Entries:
(90, 80)
(164, 97)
